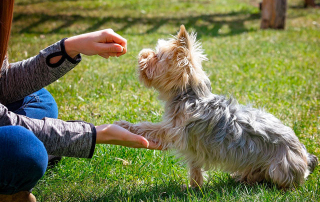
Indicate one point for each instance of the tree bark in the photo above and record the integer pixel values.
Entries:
(273, 14)
(310, 3)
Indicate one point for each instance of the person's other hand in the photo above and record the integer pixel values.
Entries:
(113, 134)
(105, 43)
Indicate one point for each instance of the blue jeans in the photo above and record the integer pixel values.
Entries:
(23, 157)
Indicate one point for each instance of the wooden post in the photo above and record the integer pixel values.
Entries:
(273, 14)
(310, 3)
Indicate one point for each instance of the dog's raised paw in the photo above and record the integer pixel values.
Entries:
(123, 124)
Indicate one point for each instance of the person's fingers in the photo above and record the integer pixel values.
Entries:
(116, 38)
(143, 141)
(123, 52)
(109, 48)
(120, 40)
(153, 145)
(106, 56)
(112, 54)
(133, 139)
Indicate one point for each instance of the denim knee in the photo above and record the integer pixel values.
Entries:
(48, 103)
(23, 159)
(38, 105)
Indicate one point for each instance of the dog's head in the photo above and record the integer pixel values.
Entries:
(174, 66)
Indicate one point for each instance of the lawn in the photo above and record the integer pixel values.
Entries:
(278, 70)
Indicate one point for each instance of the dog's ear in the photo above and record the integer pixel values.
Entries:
(189, 57)
(151, 69)
(147, 66)
(183, 37)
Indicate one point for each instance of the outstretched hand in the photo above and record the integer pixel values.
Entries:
(105, 43)
(113, 134)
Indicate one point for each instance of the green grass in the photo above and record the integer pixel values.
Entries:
(278, 70)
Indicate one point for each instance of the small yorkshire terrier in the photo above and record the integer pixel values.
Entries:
(209, 131)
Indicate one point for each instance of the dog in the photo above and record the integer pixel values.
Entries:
(210, 131)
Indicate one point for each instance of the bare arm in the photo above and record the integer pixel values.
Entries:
(22, 78)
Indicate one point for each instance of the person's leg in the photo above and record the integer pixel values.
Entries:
(23, 160)
(37, 105)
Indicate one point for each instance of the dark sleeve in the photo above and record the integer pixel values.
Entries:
(28, 76)
(75, 139)
(60, 138)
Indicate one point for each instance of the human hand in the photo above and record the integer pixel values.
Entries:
(113, 134)
(105, 43)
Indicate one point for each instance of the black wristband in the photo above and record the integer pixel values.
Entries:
(94, 138)
(63, 55)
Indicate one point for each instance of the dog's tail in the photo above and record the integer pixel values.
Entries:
(312, 162)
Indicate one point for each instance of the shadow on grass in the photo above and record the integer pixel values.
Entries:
(175, 191)
(302, 6)
(205, 24)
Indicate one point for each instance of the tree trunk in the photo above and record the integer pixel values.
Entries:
(273, 14)
(310, 3)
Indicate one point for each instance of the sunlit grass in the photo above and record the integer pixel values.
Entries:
(272, 69)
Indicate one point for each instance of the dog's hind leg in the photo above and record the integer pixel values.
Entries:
(250, 176)
(196, 177)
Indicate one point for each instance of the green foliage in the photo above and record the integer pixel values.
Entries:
(277, 70)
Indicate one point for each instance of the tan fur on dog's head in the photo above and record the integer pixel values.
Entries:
(174, 66)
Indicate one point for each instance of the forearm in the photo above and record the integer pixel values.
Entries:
(25, 77)
(75, 139)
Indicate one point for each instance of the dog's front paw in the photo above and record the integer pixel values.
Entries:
(123, 124)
